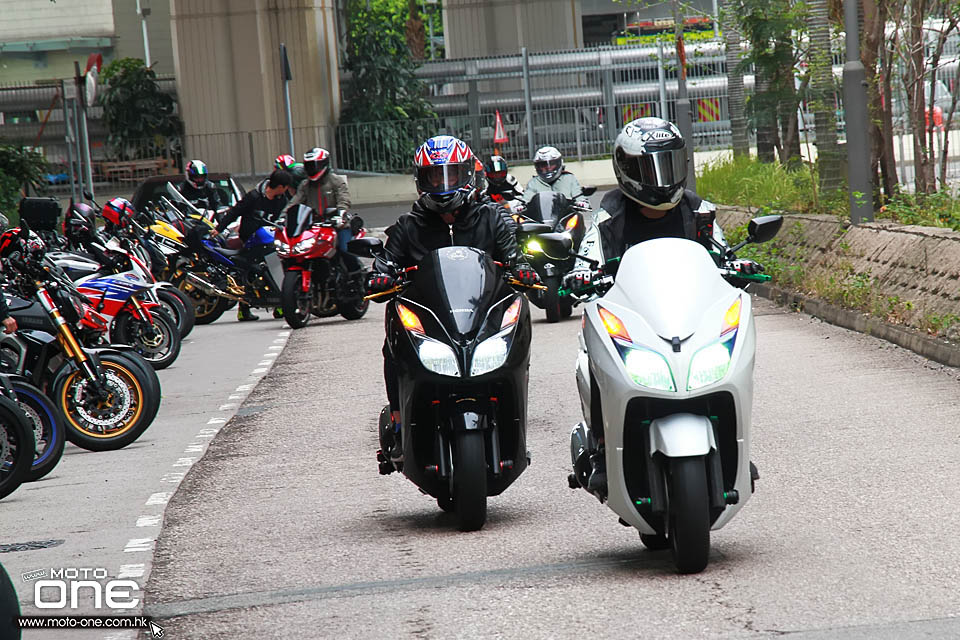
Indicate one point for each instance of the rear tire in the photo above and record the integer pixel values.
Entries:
(551, 298)
(17, 449)
(470, 480)
(178, 304)
(689, 506)
(296, 303)
(47, 428)
(353, 309)
(207, 308)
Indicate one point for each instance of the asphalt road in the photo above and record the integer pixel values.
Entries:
(285, 530)
(104, 509)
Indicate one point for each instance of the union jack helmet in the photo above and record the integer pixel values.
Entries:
(444, 169)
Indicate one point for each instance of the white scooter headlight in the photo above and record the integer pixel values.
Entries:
(491, 353)
(647, 368)
(711, 363)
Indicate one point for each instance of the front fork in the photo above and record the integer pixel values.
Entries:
(66, 338)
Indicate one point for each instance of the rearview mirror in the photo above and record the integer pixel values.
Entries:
(588, 191)
(535, 227)
(556, 246)
(87, 195)
(367, 247)
(764, 228)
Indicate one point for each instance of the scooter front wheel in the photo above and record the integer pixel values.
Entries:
(689, 506)
(470, 480)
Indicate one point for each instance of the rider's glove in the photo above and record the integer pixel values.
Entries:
(380, 282)
(747, 267)
(577, 280)
(525, 275)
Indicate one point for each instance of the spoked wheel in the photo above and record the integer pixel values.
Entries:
(207, 308)
(16, 447)
(551, 298)
(47, 427)
(689, 506)
(157, 341)
(296, 302)
(470, 480)
(110, 415)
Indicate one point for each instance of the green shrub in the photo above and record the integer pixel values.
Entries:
(18, 166)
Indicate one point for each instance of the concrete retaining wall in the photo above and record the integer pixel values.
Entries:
(919, 265)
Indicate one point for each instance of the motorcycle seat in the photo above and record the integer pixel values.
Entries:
(230, 253)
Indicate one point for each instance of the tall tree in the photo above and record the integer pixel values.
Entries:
(736, 99)
(823, 94)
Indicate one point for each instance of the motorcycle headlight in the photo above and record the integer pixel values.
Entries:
(437, 357)
(491, 353)
(534, 246)
(305, 245)
(711, 363)
(647, 368)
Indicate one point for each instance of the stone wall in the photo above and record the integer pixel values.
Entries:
(915, 265)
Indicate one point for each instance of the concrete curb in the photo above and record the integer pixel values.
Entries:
(937, 350)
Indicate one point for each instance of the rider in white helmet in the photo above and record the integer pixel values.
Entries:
(551, 175)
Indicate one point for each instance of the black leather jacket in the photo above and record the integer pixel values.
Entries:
(207, 192)
(477, 225)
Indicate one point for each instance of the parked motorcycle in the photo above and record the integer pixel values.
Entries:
(460, 335)
(665, 373)
(315, 279)
(541, 224)
(17, 447)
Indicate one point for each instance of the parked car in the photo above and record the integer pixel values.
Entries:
(153, 187)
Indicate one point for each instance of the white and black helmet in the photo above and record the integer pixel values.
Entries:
(549, 164)
(650, 161)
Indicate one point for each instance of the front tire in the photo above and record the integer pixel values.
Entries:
(296, 302)
(180, 307)
(17, 449)
(47, 428)
(551, 298)
(158, 343)
(689, 506)
(111, 420)
(470, 480)
(353, 309)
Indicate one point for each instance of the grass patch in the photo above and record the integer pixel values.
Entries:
(941, 209)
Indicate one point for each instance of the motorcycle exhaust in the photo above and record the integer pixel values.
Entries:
(210, 289)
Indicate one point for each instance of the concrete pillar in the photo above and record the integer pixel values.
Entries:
(226, 54)
(499, 27)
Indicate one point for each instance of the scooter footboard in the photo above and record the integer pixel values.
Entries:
(681, 435)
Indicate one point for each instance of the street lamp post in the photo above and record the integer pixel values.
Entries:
(856, 117)
(143, 13)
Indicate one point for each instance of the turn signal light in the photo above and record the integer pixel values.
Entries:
(512, 314)
(409, 319)
(572, 223)
(613, 325)
(731, 319)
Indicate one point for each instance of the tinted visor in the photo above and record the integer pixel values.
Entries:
(547, 166)
(444, 178)
(657, 169)
(496, 176)
(315, 167)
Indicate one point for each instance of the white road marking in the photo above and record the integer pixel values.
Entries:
(159, 498)
(284, 334)
(235, 397)
(228, 406)
(245, 387)
(131, 571)
(279, 340)
(216, 421)
(184, 462)
(264, 363)
(148, 521)
(138, 544)
(275, 348)
(261, 370)
(173, 476)
(193, 448)
(270, 355)
(207, 433)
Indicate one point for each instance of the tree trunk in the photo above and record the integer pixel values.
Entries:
(873, 53)
(823, 104)
(916, 101)
(736, 102)
(787, 105)
(765, 113)
(416, 35)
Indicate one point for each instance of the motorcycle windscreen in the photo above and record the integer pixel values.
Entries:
(547, 207)
(458, 284)
(672, 283)
(298, 220)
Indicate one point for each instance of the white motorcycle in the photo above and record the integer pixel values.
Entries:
(665, 375)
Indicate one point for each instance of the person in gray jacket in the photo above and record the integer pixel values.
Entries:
(322, 190)
(551, 175)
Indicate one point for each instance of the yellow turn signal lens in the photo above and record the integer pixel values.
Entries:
(731, 319)
(613, 325)
(571, 223)
(512, 315)
(409, 319)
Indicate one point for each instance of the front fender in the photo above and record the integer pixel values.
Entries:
(682, 435)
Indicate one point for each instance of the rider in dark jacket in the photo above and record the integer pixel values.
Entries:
(446, 214)
(196, 187)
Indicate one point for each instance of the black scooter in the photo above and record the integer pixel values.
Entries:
(546, 220)
(460, 336)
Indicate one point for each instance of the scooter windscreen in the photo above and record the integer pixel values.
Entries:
(547, 207)
(459, 285)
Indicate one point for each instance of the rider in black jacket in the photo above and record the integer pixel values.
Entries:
(446, 214)
(196, 187)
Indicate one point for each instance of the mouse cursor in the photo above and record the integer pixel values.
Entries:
(156, 630)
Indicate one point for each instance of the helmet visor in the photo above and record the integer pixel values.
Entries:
(314, 168)
(658, 169)
(545, 167)
(496, 176)
(444, 178)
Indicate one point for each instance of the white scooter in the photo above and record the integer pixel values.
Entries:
(665, 373)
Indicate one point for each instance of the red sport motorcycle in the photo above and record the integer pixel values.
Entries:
(315, 279)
